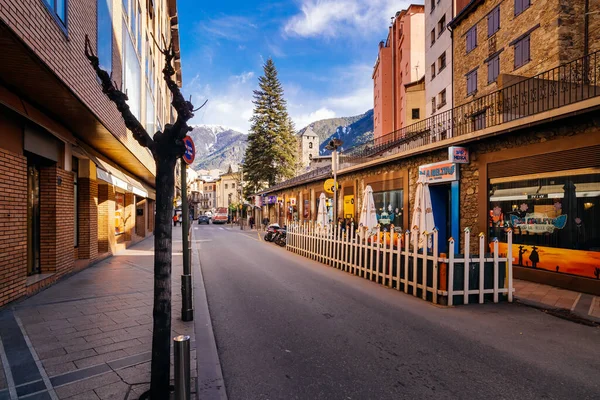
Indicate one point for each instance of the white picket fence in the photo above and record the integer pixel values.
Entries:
(398, 263)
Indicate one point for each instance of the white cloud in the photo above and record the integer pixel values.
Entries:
(302, 120)
(229, 27)
(333, 18)
(243, 77)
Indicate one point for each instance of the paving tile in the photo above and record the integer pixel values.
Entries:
(69, 357)
(43, 354)
(87, 395)
(93, 360)
(85, 385)
(88, 345)
(116, 390)
(58, 369)
(117, 346)
(126, 324)
(136, 374)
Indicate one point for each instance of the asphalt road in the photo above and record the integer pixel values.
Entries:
(289, 328)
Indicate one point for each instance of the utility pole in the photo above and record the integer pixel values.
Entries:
(333, 146)
(187, 310)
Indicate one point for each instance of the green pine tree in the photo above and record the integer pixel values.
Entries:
(271, 153)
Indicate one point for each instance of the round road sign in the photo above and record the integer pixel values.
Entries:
(190, 150)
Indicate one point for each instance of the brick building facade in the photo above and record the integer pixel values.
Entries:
(75, 187)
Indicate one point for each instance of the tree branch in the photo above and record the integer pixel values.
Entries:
(119, 98)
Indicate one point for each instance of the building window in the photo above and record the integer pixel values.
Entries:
(442, 62)
(471, 82)
(522, 55)
(521, 5)
(432, 5)
(493, 69)
(138, 30)
(471, 38)
(548, 211)
(233, 185)
(59, 9)
(442, 98)
(104, 35)
(432, 37)
(493, 20)
(479, 121)
(310, 145)
(225, 186)
(433, 104)
(416, 113)
(442, 25)
(131, 73)
(432, 70)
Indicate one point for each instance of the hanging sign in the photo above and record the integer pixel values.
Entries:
(458, 155)
(190, 150)
(329, 184)
(292, 201)
(272, 200)
(444, 171)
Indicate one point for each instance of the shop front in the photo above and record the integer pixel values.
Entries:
(443, 180)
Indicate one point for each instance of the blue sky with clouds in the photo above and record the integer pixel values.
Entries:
(324, 51)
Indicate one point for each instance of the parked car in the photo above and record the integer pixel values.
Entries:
(203, 219)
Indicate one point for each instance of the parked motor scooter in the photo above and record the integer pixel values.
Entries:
(280, 237)
(271, 231)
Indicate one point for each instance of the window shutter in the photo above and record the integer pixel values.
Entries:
(489, 24)
(526, 56)
(518, 55)
(518, 7)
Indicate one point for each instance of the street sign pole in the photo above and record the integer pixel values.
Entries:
(187, 309)
(334, 165)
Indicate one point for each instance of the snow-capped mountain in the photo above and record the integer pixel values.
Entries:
(217, 146)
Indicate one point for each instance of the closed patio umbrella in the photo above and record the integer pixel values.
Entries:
(368, 214)
(422, 219)
(322, 211)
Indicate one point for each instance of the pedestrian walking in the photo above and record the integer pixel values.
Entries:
(251, 223)
(175, 220)
(265, 222)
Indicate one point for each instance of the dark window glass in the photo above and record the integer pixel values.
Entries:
(471, 38)
(432, 5)
(105, 32)
(441, 25)
(471, 83)
(493, 69)
(549, 212)
(522, 55)
(442, 61)
(479, 121)
(521, 5)
(310, 145)
(432, 37)
(415, 113)
(389, 206)
(432, 70)
(493, 20)
(442, 97)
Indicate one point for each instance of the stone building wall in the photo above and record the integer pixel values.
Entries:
(558, 39)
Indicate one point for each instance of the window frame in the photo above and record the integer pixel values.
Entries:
(433, 71)
(440, 58)
(443, 98)
(433, 37)
(470, 75)
(52, 8)
(418, 113)
(491, 14)
(517, 48)
(443, 26)
(471, 37)
(496, 60)
(523, 7)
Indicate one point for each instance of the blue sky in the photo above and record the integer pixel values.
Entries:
(324, 51)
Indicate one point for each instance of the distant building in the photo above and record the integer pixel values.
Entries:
(415, 101)
(229, 188)
(308, 147)
(401, 61)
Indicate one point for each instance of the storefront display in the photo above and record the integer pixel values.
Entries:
(119, 213)
(555, 219)
(389, 206)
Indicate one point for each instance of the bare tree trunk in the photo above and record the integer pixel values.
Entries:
(161, 338)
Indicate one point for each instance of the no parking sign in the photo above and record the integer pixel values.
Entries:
(190, 150)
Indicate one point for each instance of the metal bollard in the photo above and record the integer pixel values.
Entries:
(181, 349)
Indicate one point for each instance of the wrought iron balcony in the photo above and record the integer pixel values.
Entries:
(561, 86)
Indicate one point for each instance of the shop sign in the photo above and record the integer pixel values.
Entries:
(272, 200)
(292, 201)
(458, 155)
(444, 171)
(258, 201)
(329, 185)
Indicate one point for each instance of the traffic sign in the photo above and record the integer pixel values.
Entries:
(190, 150)
(329, 184)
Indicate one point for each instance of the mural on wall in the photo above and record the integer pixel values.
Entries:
(574, 262)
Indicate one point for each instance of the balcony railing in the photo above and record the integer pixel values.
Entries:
(315, 173)
(566, 84)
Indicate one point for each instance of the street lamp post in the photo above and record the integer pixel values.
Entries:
(333, 146)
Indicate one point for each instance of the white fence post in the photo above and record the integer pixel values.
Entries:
(451, 272)
(424, 270)
(481, 265)
(407, 238)
(435, 265)
(398, 262)
(377, 254)
(509, 264)
(467, 263)
(496, 270)
(415, 260)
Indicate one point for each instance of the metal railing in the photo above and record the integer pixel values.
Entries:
(566, 84)
(315, 173)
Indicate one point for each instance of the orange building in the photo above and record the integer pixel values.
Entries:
(401, 61)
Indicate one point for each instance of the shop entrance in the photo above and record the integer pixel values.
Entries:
(33, 218)
(441, 201)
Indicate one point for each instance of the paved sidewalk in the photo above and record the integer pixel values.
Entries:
(583, 305)
(89, 336)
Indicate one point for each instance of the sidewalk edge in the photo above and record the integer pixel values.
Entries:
(209, 384)
(563, 313)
